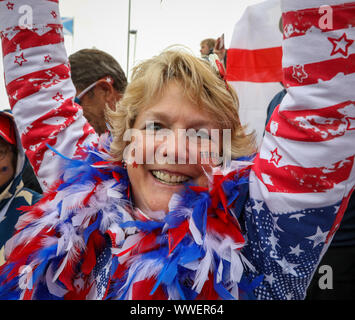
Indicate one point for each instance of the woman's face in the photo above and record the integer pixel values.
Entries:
(163, 129)
(7, 170)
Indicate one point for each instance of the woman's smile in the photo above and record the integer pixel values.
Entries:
(169, 178)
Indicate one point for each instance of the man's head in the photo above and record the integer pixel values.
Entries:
(8, 149)
(207, 46)
(99, 81)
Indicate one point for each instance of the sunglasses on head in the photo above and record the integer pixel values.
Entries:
(78, 98)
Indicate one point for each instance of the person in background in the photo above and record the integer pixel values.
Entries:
(275, 101)
(99, 82)
(220, 50)
(29, 178)
(207, 46)
(209, 53)
(13, 194)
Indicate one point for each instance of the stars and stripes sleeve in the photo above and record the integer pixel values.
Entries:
(39, 87)
(304, 173)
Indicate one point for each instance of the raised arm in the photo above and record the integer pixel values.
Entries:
(39, 87)
(304, 173)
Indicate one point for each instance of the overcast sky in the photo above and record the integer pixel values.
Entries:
(159, 24)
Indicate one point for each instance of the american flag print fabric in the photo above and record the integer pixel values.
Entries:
(304, 172)
(302, 176)
(287, 248)
(36, 65)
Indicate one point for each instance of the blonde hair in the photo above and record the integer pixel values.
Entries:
(201, 85)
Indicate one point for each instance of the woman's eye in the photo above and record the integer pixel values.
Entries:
(153, 126)
(202, 134)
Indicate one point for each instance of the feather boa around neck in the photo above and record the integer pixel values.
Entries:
(84, 240)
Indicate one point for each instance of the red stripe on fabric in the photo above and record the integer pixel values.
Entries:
(294, 179)
(208, 291)
(297, 23)
(175, 235)
(230, 229)
(33, 82)
(24, 249)
(67, 276)
(28, 294)
(94, 248)
(78, 294)
(35, 140)
(302, 75)
(29, 38)
(310, 125)
(127, 250)
(88, 130)
(259, 65)
(141, 290)
(147, 243)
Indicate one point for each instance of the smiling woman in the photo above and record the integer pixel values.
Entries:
(175, 92)
(154, 184)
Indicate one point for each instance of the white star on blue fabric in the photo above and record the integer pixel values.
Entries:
(318, 237)
(288, 267)
(297, 216)
(296, 250)
(258, 206)
(273, 240)
(270, 278)
(276, 226)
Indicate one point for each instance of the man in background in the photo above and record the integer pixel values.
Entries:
(99, 82)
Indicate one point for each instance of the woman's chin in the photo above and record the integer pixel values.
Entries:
(153, 186)
(158, 195)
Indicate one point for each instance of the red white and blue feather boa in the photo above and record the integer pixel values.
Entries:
(84, 240)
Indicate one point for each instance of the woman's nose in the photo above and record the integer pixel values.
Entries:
(182, 146)
(171, 147)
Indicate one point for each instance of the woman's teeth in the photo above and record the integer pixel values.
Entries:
(169, 178)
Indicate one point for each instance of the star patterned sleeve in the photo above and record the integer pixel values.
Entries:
(304, 173)
(39, 87)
